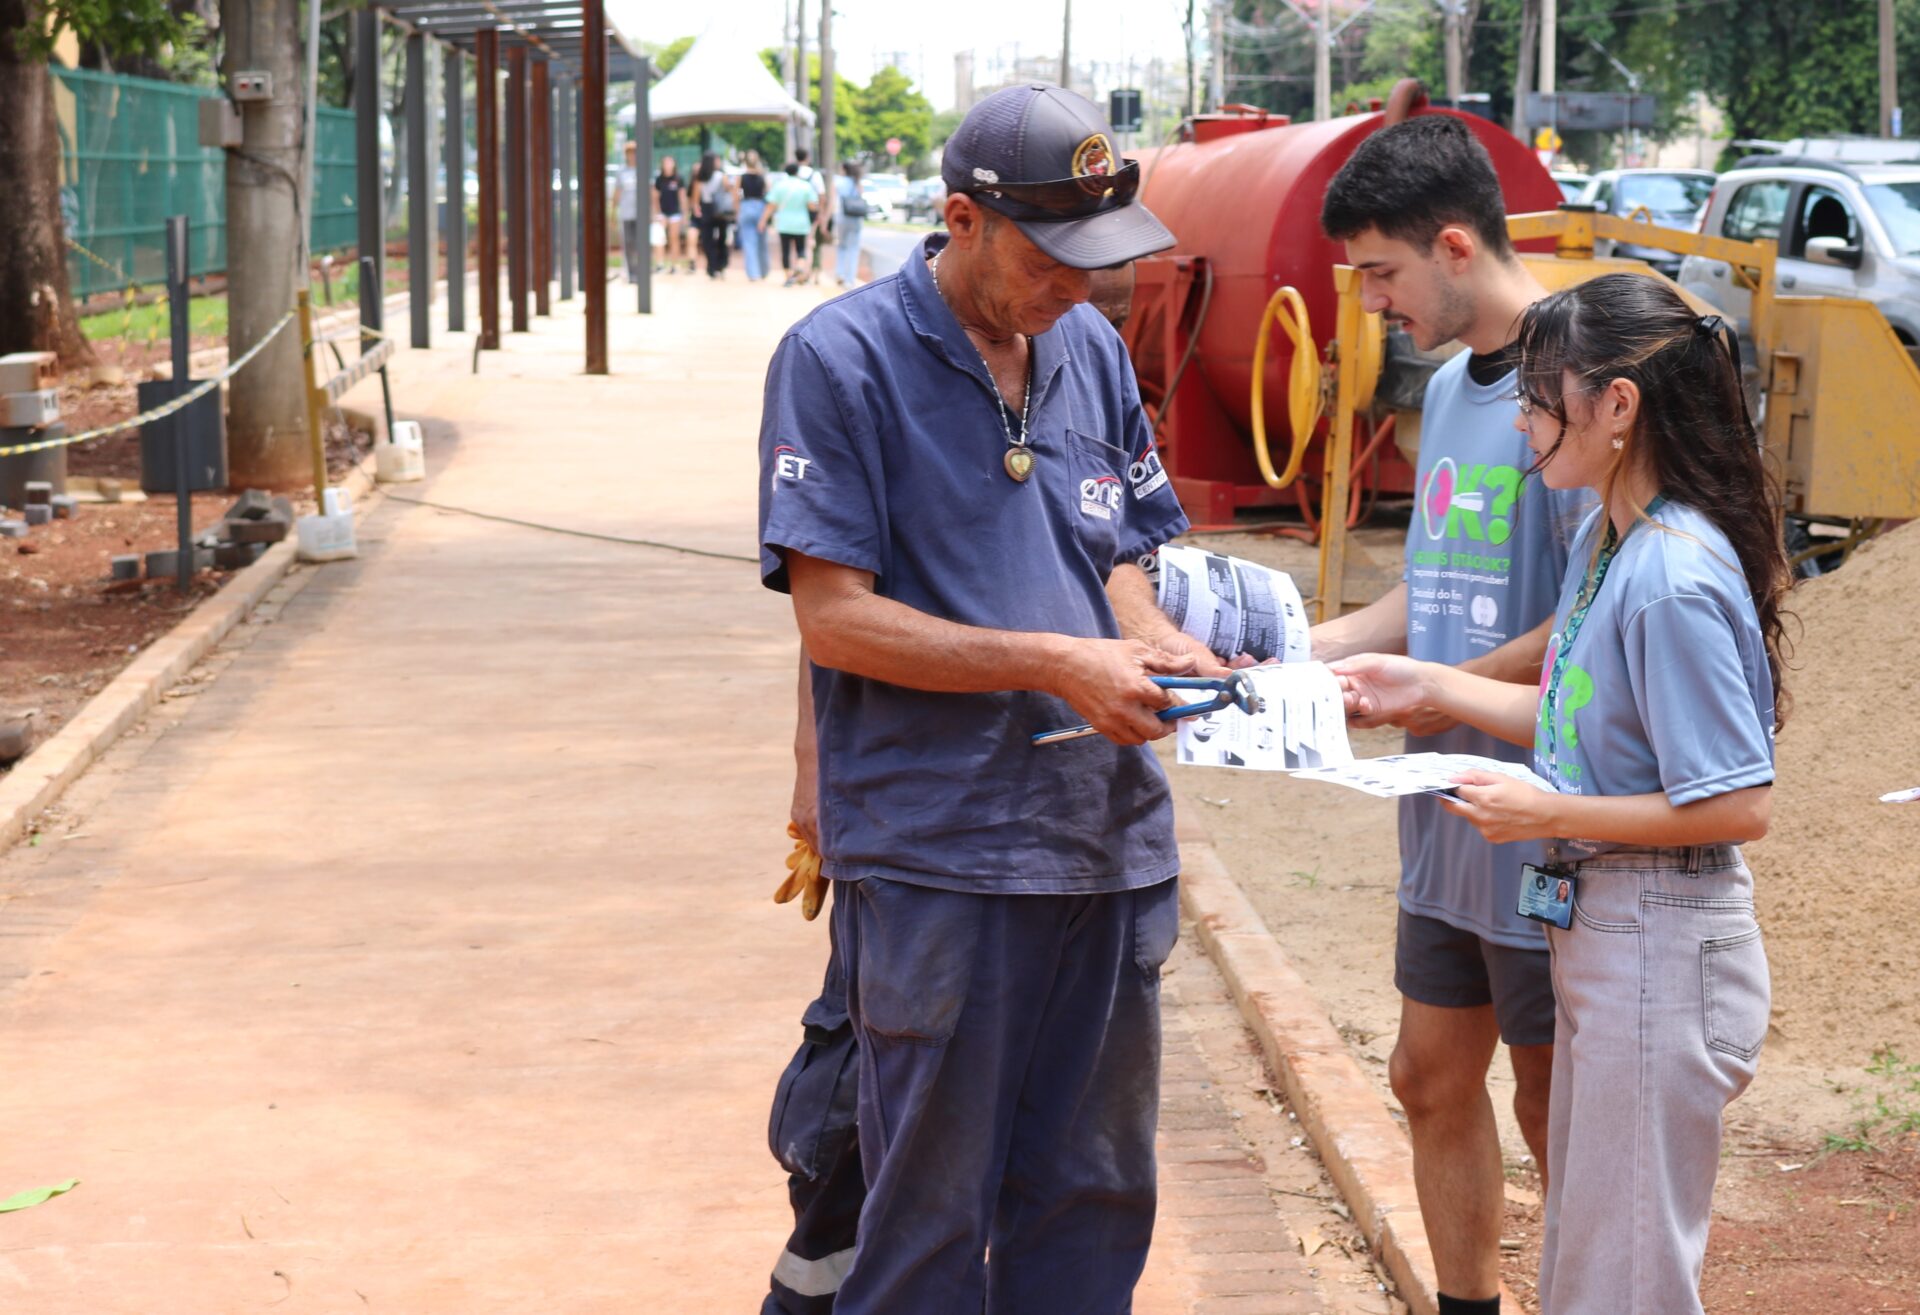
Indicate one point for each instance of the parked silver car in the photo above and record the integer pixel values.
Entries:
(1667, 198)
(1844, 230)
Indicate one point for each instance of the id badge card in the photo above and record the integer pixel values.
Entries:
(1546, 895)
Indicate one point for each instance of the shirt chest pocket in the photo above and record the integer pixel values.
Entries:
(1097, 499)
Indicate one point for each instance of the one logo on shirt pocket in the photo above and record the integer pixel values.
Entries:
(788, 464)
(1100, 497)
(1147, 475)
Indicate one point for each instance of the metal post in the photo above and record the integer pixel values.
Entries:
(564, 126)
(593, 177)
(455, 153)
(486, 131)
(1889, 97)
(366, 137)
(643, 178)
(316, 430)
(419, 196)
(540, 185)
(1322, 65)
(177, 305)
(517, 185)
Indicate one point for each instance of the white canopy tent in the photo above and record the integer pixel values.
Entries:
(722, 80)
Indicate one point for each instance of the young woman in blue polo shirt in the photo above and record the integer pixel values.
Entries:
(1654, 722)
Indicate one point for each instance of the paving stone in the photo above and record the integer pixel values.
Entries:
(270, 529)
(12, 529)
(251, 505)
(237, 556)
(38, 513)
(126, 567)
(64, 505)
(163, 565)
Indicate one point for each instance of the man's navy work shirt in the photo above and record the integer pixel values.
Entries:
(881, 449)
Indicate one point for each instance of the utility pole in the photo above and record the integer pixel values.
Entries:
(1322, 64)
(1451, 20)
(1549, 46)
(1889, 101)
(1218, 87)
(266, 412)
(1523, 67)
(786, 73)
(800, 71)
(1066, 45)
(1187, 28)
(827, 162)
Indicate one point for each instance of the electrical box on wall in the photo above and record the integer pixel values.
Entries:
(219, 122)
(253, 85)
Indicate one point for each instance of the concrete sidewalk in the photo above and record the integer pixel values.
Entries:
(420, 958)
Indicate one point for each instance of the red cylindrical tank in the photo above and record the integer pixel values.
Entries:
(1245, 194)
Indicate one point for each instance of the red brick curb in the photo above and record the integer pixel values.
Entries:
(1365, 1152)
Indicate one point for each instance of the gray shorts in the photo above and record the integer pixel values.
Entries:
(1435, 963)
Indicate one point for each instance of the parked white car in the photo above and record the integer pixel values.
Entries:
(886, 195)
(1844, 230)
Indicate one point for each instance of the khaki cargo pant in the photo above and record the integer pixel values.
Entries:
(1662, 995)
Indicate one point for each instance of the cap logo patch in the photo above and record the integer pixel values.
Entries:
(985, 175)
(1093, 159)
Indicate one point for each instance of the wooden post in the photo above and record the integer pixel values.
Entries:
(540, 186)
(593, 178)
(486, 113)
(517, 185)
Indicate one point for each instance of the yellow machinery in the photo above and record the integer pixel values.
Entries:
(1841, 393)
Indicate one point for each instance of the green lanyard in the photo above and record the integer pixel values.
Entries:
(1582, 604)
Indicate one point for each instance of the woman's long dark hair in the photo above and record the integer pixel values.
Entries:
(706, 170)
(1693, 429)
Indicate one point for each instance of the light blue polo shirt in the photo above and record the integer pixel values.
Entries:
(881, 448)
(1486, 551)
(1667, 688)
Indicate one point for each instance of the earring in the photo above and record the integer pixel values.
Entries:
(1618, 442)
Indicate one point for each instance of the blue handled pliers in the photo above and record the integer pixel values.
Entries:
(1233, 690)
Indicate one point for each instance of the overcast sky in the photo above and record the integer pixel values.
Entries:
(870, 32)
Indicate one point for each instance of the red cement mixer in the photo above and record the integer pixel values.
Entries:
(1242, 194)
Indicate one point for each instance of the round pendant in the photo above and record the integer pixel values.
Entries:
(1019, 461)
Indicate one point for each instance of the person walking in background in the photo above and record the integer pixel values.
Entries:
(668, 190)
(753, 205)
(790, 211)
(850, 217)
(626, 204)
(716, 201)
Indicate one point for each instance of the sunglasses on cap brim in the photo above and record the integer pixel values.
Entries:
(1063, 198)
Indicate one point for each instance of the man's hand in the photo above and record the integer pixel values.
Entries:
(1181, 644)
(1425, 721)
(1107, 681)
(1503, 809)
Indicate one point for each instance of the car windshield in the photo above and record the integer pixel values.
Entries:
(1664, 194)
(1898, 205)
(1571, 189)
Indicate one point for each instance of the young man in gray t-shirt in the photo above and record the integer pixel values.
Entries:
(1420, 211)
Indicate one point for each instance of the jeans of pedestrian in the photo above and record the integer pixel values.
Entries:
(713, 238)
(631, 248)
(1662, 996)
(1009, 1051)
(846, 251)
(753, 242)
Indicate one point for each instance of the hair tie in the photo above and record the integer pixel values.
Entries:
(1707, 325)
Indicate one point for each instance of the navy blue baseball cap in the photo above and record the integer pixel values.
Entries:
(1044, 157)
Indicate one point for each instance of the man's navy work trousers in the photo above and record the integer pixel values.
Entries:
(1009, 1053)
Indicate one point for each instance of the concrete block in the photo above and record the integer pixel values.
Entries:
(12, 529)
(39, 406)
(271, 530)
(38, 491)
(63, 505)
(39, 513)
(163, 565)
(237, 556)
(252, 505)
(283, 508)
(126, 566)
(108, 488)
(25, 372)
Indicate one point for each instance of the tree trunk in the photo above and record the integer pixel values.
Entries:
(1523, 63)
(266, 410)
(36, 303)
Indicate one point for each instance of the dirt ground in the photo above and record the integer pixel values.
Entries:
(67, 630)
(1814, 1212)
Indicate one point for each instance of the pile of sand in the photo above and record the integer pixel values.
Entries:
(1838, 878)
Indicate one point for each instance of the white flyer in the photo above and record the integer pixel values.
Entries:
(1302, 723)
(1302, 728)
(1231, 605)
(1416, 773)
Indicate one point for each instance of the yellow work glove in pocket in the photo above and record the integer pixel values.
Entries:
(803, 877)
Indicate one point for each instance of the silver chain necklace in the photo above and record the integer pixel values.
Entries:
(1019, 456)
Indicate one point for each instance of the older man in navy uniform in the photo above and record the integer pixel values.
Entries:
(957, 481)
